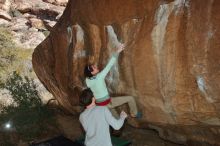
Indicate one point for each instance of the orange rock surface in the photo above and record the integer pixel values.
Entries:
(170, 65)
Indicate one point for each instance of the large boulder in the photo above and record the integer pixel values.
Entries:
(170, 64)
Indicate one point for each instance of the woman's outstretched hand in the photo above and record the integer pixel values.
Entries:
(121, 47)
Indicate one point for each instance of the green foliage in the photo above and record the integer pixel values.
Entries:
(11, 56)
(7, 55)
(29, 116)
(14, 13)
(6, 38)
(23, 90)
(6, 47)
(46, 33)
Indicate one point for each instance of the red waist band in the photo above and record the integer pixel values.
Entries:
(103, 103)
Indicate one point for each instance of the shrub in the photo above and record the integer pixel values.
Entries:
(6, 47)
(30, 117)
(7, 54)
(13, 57)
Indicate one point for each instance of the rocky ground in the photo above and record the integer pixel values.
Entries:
(30, 20)
(25, 24)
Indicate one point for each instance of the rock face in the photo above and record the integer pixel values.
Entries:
(30, 19)
(170, 64)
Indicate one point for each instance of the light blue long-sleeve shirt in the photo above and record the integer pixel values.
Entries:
(97, 83)
(95, 122)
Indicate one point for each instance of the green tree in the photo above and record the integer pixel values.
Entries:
(30, 117)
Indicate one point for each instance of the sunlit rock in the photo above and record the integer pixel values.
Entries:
(5, 5)
(170, 63)
(57, 2)
(4, 15)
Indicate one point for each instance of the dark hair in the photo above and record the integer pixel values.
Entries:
(86, 96)
(88, 71)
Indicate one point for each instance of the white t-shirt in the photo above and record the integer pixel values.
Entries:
(96, 121)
